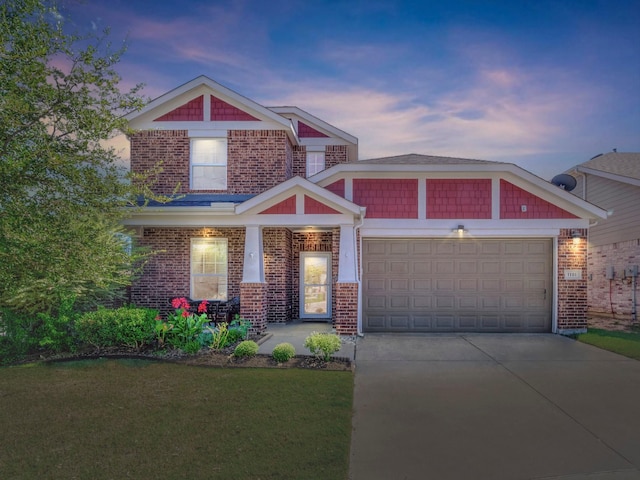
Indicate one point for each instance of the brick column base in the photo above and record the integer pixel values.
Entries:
(253, 305)
(346, 314)
(572, 294)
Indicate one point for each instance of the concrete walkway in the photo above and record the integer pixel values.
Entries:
(493, 407)
(296, 333)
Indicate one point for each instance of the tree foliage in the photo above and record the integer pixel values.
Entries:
(62, 191)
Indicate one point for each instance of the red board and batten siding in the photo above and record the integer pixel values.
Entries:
(459, 198)
(387, 198)
(512, 198)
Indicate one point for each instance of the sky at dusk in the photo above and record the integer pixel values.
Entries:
(542, 84)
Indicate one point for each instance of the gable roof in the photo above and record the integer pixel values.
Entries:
(187, 92)
(450, 167)
(295, 114)
(621, 166)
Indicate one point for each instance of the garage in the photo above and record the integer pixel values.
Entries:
(457, 285)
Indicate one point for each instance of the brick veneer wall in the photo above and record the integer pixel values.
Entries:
(572, 294)
(170, 149)
(252, 305)
(278, 260)
(333, 155)
(612, 296)
(387, 198)
(166, 275)
(346, 310)
(257, 160)
(458, 198)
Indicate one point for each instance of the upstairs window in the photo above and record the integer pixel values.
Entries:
(208, 164)
(209, 268)
(315, 163)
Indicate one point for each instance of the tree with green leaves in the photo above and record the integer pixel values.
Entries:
(63, 193)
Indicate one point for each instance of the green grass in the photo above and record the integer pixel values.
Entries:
(627, 344)
(113, 419)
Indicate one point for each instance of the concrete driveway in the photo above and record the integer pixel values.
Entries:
(485, 406)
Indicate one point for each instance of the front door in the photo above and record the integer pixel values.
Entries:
(315, 285)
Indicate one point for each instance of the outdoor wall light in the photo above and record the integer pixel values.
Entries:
(575, 234)
(459, 230)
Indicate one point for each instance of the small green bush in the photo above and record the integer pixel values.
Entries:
(248, 348)
(125, 326)
(283, 352)
(322, 345)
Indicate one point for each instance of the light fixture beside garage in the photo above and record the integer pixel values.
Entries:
(459, 230)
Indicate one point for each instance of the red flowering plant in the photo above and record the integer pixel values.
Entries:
(185, 328)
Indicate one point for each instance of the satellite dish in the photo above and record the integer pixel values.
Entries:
(564, 181)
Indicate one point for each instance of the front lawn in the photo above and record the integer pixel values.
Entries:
(627, 344)
(138, 419)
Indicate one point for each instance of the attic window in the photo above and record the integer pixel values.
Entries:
(208, 164)
(315, 163)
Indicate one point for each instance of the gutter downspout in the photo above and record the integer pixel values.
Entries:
(358, 248)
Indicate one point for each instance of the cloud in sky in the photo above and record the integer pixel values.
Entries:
(539, 83)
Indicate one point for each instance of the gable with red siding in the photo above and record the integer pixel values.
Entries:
(514, 198)
(305, 131)
(387, 198)
(285, 207)
(313, 206)
(190, 111)
(459, 198)
(337, 188)
(222, 111)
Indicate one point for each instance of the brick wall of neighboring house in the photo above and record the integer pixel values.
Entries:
(572, 294)
(168, 149)
(513, 198)
(257, 160)
(309, 242)
(387, 198)
(612, 297)
(459, 198)
(278, 255)
(166, 275)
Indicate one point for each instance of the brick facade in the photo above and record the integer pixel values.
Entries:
(252, 307)
(277, 244)
(167, 273)
(613, 296)
(572, 294)
(346, 310)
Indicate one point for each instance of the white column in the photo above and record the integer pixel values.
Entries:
(347, 260)
(253, 271)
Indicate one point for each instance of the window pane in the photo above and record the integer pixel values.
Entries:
(209, 268)
(209, 288)
(315, 163)
(209, 151)
(209, 178)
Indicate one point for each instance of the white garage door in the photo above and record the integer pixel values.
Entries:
(457, 285)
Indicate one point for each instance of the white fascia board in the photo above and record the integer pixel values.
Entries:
(475, 225)
(294, 186)
(199, 218)
(610, 176)
(369, 232)
(314, 122)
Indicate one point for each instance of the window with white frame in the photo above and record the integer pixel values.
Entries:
(315, 163)
(209, 268)
(208, 163)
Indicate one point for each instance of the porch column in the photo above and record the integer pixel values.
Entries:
(346, 314)
(253, 289)
(572, 290)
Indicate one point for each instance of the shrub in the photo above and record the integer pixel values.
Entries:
(283, 352)
(322, 345)
(248, 348)
(125, 326)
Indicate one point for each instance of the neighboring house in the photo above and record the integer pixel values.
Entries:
(612, 181)
(277, 210)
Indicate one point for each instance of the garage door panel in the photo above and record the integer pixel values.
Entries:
(457, 285)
